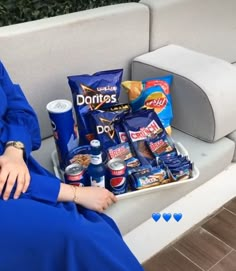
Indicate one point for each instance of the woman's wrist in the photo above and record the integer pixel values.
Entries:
(68, 193)
(14, 151)
(75, 194)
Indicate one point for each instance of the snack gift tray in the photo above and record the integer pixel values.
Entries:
(181, 150)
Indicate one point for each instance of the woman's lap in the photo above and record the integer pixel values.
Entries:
(60, 238)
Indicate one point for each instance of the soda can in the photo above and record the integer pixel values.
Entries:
(117, 174)
(64, 129)
(74, 174)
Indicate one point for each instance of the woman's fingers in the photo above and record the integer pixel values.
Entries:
(3, 179)
(95, 198)
(13, 172)
(8, 178)
(113, 198)
(22, 182)
(27, 182)
(109, 201)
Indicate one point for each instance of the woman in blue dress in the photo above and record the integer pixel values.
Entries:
(46, 225)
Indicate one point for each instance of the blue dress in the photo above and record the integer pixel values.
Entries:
(36, 232)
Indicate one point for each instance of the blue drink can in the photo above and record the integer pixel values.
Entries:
(64, 129)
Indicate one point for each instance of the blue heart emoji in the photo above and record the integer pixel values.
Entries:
(166, 216)
(177, 217)
(156, 216)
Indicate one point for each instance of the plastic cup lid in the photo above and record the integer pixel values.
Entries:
(59, 106)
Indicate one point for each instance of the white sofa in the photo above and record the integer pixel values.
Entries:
(40, 55)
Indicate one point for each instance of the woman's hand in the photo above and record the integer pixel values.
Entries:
(13, 169)
(94, 198)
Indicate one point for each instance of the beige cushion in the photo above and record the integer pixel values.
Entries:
(207, 26)
(232, 136)
(39, 55)
(203, 89)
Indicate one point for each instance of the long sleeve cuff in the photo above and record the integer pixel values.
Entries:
(19, 133)
(43, 188)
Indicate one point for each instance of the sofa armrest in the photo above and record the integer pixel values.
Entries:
(203, 89)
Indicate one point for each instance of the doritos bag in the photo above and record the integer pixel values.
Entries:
(90, 92)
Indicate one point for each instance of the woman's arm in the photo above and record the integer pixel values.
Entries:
(51, 190)
(12, 168)
(20, 124)
(94, 198)
(20, 119)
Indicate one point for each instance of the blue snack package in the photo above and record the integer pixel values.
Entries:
(148, 178)
(182, 172)
(118, 126)
(169, 155)
(124, 152)
(152, 93)
(120, 131)
(139, 127)
(161, 145)
(102, 125)
(91, 92)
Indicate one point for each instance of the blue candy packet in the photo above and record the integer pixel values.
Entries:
(141, 126)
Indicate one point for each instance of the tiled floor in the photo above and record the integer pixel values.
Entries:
(211, 246)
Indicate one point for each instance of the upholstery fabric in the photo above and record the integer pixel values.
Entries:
(40, 55)
(203, 89)
(207, 26)
(232, 136)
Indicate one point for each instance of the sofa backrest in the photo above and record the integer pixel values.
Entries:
(207, 26)
(39, 55)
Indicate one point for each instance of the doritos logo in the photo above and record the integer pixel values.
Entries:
(94, 98)
(106, 127)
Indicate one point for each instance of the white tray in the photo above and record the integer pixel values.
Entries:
(181, 149)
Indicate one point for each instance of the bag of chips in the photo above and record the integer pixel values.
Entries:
(152, 93)
(102, 125)
(90, 92)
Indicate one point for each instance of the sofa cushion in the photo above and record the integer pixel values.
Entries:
(207, 26)
(41, 54)
(203, 89)
(210, 158)
(205, 155)
(232, 136)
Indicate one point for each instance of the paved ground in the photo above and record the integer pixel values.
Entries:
(210, 246)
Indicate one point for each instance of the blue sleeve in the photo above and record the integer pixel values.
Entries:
(43, 188)
(20, 118)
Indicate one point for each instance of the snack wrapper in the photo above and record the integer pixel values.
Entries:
(140, 127)
(102, 125)
(124, 152)
(92, 92)
(152, 93)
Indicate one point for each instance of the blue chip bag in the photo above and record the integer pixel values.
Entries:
(102, 125)
(152, 93)
(91, 92)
